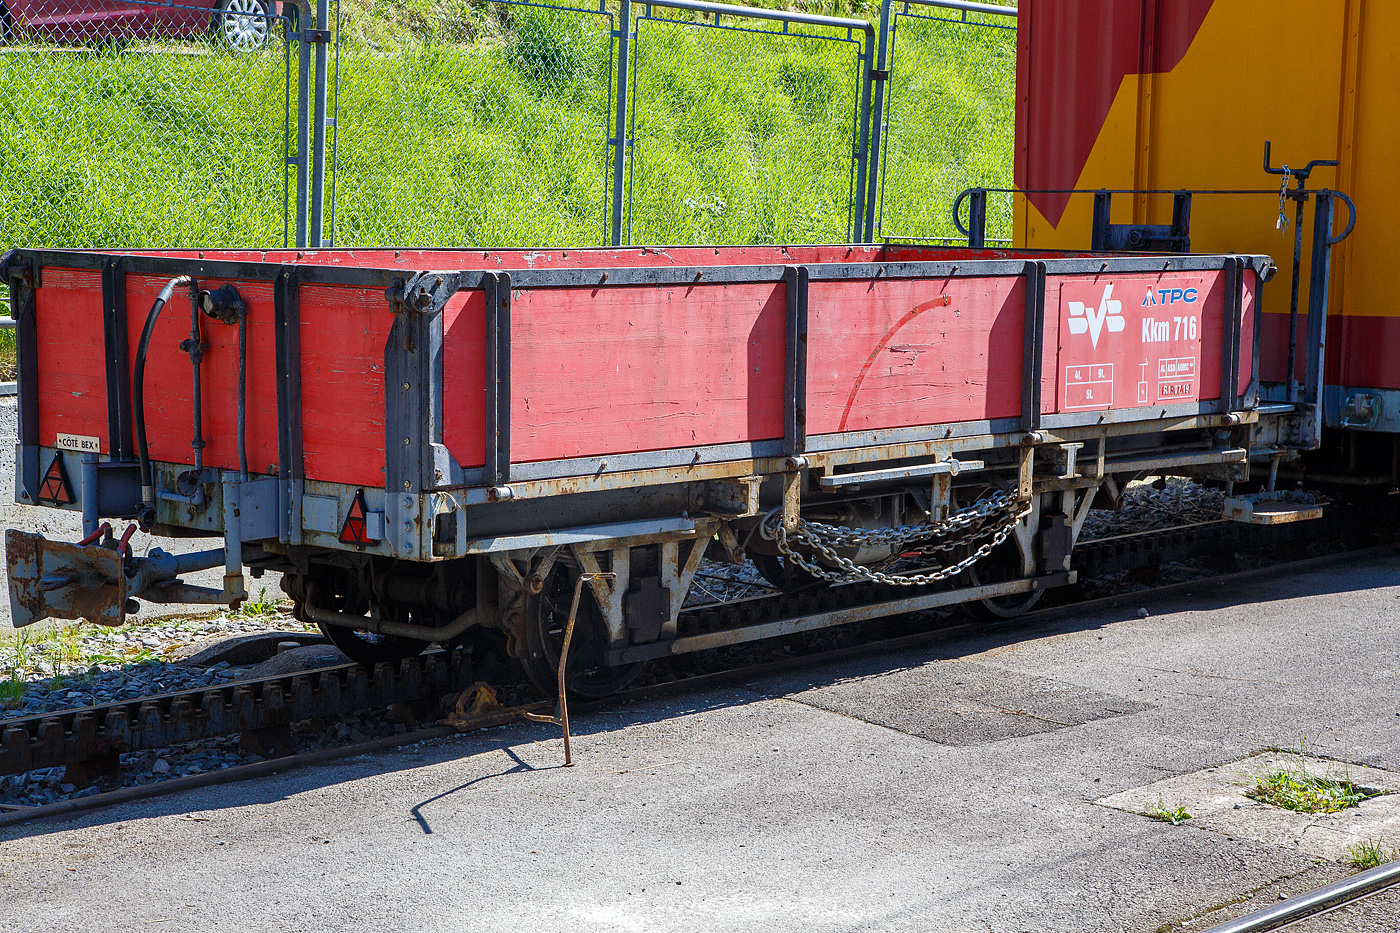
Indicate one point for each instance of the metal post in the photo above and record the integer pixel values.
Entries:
(318, 144)
(1319, 282)
(879, 78)
(977, 219)
(303, 136)
(562, 719)
(89, 494)
(862, 229)
(1103, 216)
(624, 33)
(1299, 198)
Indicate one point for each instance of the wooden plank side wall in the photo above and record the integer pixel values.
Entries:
(344, 332)
(1126, 362)
(891, 353)
(464, 377)
(615, 370)
(170, 380)
(71, 351)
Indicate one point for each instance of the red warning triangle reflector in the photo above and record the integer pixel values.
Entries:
(55, 488)
(354, 530)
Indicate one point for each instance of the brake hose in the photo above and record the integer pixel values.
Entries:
(139, 387)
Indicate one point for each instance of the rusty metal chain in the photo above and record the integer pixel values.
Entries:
(973, 522)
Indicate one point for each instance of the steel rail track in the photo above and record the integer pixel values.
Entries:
(498, 716)
(94, 736)
(1315, 903)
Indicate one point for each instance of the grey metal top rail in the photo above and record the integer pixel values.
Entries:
(966, 6)
(782, 16)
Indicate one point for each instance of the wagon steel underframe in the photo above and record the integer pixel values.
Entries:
(668, 498)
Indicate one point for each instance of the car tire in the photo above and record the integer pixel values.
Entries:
(242, 25)
(7, 26)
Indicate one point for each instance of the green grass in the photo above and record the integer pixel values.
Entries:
(261, 607)
(1173, 815)
(1370, 854)
(1293, 787)
(463, 123)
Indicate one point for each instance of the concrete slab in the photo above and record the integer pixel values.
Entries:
(1215, 798)
(959, 703)
(752, 808)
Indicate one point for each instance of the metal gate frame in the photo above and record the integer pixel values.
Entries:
(869, 122)
(294, 13)
(616, 79)
(858, 31)
(875, 205)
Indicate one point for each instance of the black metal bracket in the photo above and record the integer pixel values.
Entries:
(497, 288)
(286, 315)
(425, 293)
(1033, 346)
(19, 269)
(1155, 238)
(795, 281)
(114, 334)
(1299, 173)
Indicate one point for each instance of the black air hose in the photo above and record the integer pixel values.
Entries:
(138, 390)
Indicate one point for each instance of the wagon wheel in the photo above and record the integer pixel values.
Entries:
(546, 617)
(785, 575)
(1003, 564)
(338, 590)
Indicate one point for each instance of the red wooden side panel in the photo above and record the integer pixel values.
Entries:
(71, 351)
(1128, 341)
(343, 335)
(892, 353)
(464, 377)
(601, 371)
(1247, 323)
(170, 381)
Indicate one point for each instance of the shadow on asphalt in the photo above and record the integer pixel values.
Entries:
(1333, 578)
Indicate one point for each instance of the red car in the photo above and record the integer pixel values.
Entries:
(242, 25)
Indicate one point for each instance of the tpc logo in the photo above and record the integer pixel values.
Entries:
(1082, 318)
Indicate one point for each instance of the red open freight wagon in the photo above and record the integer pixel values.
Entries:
(430, 445)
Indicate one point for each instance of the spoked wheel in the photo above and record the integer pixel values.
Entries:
(337, 590)
(546, 617)
(1000, 566)
(784, 574)
(242, 25)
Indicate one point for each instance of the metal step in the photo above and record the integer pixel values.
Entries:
(1271, 509)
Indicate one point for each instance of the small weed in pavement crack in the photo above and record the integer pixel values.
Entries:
(1173, 815)
(1370, 854)
(1293, 788)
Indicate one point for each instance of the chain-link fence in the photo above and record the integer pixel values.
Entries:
(747, 128)
(491, 129)
(949, 117)
(144, 124)
(459, 122)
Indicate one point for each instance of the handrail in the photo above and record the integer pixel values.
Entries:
(966, 6)
(782, 16)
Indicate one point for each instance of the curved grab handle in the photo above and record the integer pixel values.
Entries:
(957, 211)
(1351, 220)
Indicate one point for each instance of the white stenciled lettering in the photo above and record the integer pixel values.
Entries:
(1155, 331)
